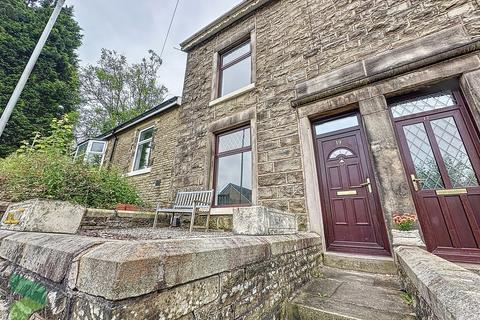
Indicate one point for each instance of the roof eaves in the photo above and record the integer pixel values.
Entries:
(236, 13)
(168, 104)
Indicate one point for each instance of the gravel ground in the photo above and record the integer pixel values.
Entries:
(152, 234)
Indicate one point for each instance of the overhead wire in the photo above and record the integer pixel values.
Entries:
(169, 28)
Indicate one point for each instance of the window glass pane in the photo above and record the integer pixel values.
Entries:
(234, 140)
(94, 158)
(337, 124)
(236, 53)
(246, 190)
(340, 152)
(236, 76)
(425, 103)
(454, 154)
(147, 134)
(81, 149)
(229, 175)
(422, 156)
(234, 179)
(142, 157)
(97, 146)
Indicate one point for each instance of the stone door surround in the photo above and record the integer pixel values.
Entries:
(370, 100)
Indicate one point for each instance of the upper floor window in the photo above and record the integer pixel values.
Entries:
(235, 69)
(91, 151)
(142, 151)
(233, 168)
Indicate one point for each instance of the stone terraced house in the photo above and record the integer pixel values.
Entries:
(142, 148)
(343, 112)
(333, 115)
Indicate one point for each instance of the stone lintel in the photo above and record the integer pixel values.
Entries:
(451, 291)
(119, 270)
(422, 52)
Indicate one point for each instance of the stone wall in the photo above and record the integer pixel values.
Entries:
(74, 277)
(156, 185)
(111, 219)
(440, 289)
(295, 41)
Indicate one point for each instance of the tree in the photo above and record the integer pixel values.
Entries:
(52, 89)
(114, 91)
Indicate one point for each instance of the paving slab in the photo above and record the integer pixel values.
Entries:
(342, 294)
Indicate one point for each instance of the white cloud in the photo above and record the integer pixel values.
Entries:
(132, 27)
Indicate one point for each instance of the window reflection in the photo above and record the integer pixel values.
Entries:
(233, 170)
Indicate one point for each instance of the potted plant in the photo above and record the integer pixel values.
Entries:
(404, 222)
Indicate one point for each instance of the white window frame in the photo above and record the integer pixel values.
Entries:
(89, 151)
(149, 140)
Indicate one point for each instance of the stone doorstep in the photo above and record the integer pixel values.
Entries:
(116, 269)
(340, 294)
(358, 262)
(450, 290)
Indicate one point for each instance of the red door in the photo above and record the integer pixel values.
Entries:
(441, 156)
(352, 217)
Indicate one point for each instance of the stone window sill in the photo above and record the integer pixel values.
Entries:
(232, 95)
(139, 172)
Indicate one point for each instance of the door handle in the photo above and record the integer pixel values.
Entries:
(415, 182)
(367, 184)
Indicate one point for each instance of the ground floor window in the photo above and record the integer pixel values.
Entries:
(91, 151)
(142, 152)
(233, 168)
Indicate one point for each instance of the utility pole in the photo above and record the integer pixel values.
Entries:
(28, 69)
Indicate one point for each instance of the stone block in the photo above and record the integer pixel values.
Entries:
(259, 220)
(422, 48)
(43, 216)
(450, 291)
(48, 255)
(119, 270)
(407, 238)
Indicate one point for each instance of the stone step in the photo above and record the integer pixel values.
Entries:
(341, 295)
(362, 263)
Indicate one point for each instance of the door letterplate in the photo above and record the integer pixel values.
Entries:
(450, 192)
(347, 193)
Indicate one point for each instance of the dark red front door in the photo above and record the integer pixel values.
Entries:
(441, 156)
(352, 216)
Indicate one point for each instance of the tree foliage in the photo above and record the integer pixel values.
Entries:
(52, 89)
(114, 91)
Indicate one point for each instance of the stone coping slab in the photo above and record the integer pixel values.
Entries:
(48, 255)
(451, 291)
(117, 269)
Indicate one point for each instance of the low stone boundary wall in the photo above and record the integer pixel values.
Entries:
(441, 289)
(113, 219)
(116, 219)
(76, 277)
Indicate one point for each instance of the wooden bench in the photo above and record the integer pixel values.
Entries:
(188, 203)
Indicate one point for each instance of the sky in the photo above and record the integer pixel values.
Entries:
(132, 27)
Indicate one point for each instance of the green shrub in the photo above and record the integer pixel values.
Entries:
(45, 169)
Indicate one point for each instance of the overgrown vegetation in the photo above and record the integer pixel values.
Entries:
(44, 168)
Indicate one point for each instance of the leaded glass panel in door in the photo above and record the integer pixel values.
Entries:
(426, 167)
(454, 154)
